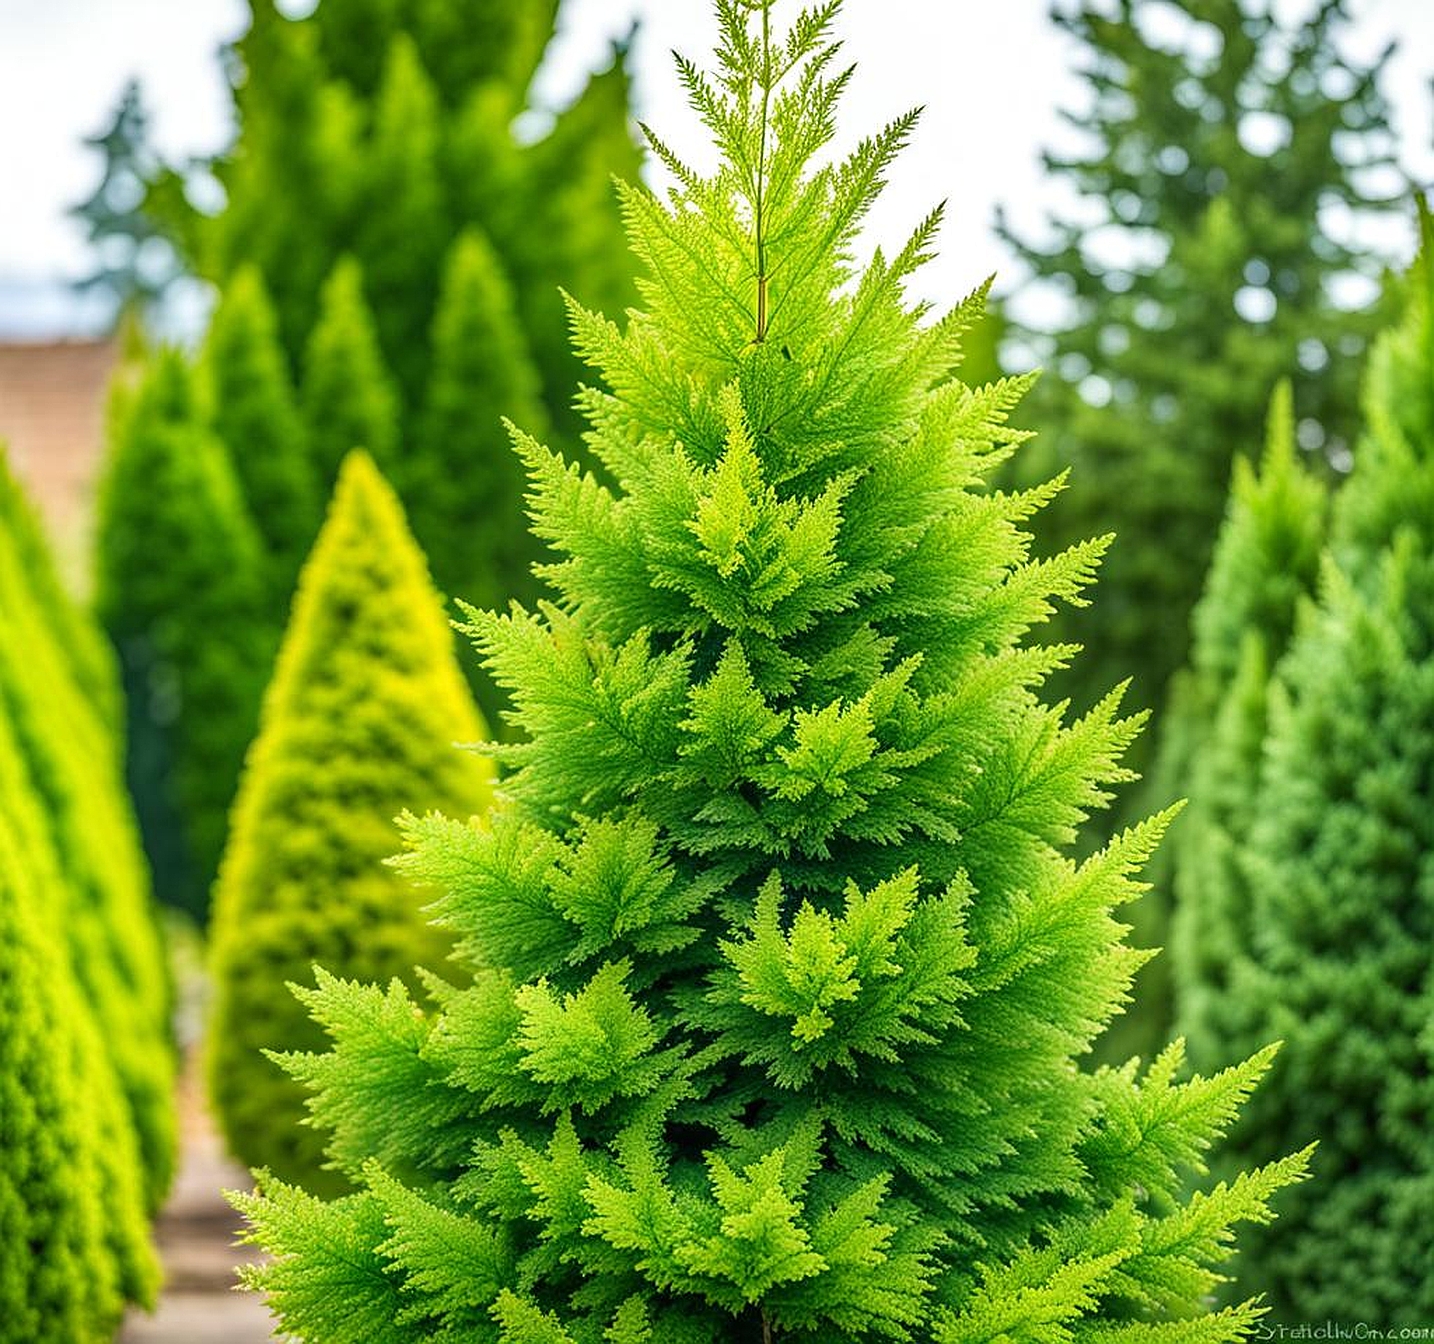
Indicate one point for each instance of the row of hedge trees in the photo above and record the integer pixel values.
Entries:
(388, 262)
(86, 1059)
(1304, 877)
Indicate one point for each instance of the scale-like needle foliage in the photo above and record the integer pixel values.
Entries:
(359, 723)
(1337, 871)
(774, 969)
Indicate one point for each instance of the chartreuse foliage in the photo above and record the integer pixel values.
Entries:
(773, 969)
(358, 724)
(1340, 880)
(65, 771)
(180, 587)
(1266, 565)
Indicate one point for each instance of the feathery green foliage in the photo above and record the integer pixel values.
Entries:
(254, 413)
(1222, 143)
(180, 588)
(773, 971)
(348, 400)
(1266, 565)
(1341, 881)
(358, 724)
(74, 1246)
(64, 764)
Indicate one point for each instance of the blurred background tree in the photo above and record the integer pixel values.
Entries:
(1230, 167)
(1227, 161)
(134, 262)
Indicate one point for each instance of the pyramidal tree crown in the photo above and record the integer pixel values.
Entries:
(775, 974)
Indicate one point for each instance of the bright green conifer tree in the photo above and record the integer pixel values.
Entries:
(66, 760)
(348, 399)
(180, 588)
(774, 970)
(254, 413)
(359, 723)
(1341, 888)
(1265, 566)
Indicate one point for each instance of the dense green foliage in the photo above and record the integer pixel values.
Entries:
(1337, 871)
(66, 769)
(358, 725)
(348, 398)
(463, 494)
(86, 1134)
(252, 410)
(180, 588)
(1265, 566)
(1224, 149)
(772, 969)
(384, 130)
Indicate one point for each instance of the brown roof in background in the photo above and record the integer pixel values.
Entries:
(52, 407)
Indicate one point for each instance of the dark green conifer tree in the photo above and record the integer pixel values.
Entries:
(1226, 146)
(358, 724)
(1265, 566)
(348, 399)
(65, 770)
(1337, 865)
(773, 969)
(253, 411)
(180, 588)
(461, 481)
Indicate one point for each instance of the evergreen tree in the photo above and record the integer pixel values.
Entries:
(64, 764)
(135, 264)
(358, 724)
(462, 482)
(1265, 567)
(1207, 263)
(773, 969)
(254, 413)
(73, 1242)
(1338, 868)
(86, 651)
(348, 399)
(180, 589)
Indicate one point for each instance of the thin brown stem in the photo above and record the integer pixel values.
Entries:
(766, 1329)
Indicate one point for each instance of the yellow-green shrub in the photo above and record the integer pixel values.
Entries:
(357, 726)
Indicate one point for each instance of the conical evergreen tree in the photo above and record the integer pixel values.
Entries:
(85, 648)
(461, 480)
(349, 401)
(73, 1242)
(180, 588)
(1265, 567)
(774, 970)
(1338, 868)
(64, 758)
(254, 413)
(1222, 143)
(358, 724)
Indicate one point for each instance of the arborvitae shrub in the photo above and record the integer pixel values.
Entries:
(66, 761)
(459, 479)
(348, 400)
(774, 973)
(180, 588)
(1265, 566)
(254, 413)
(74, 1246)
(1338, 865)
(359, 724)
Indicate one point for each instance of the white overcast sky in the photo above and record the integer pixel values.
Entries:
(990, 73)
